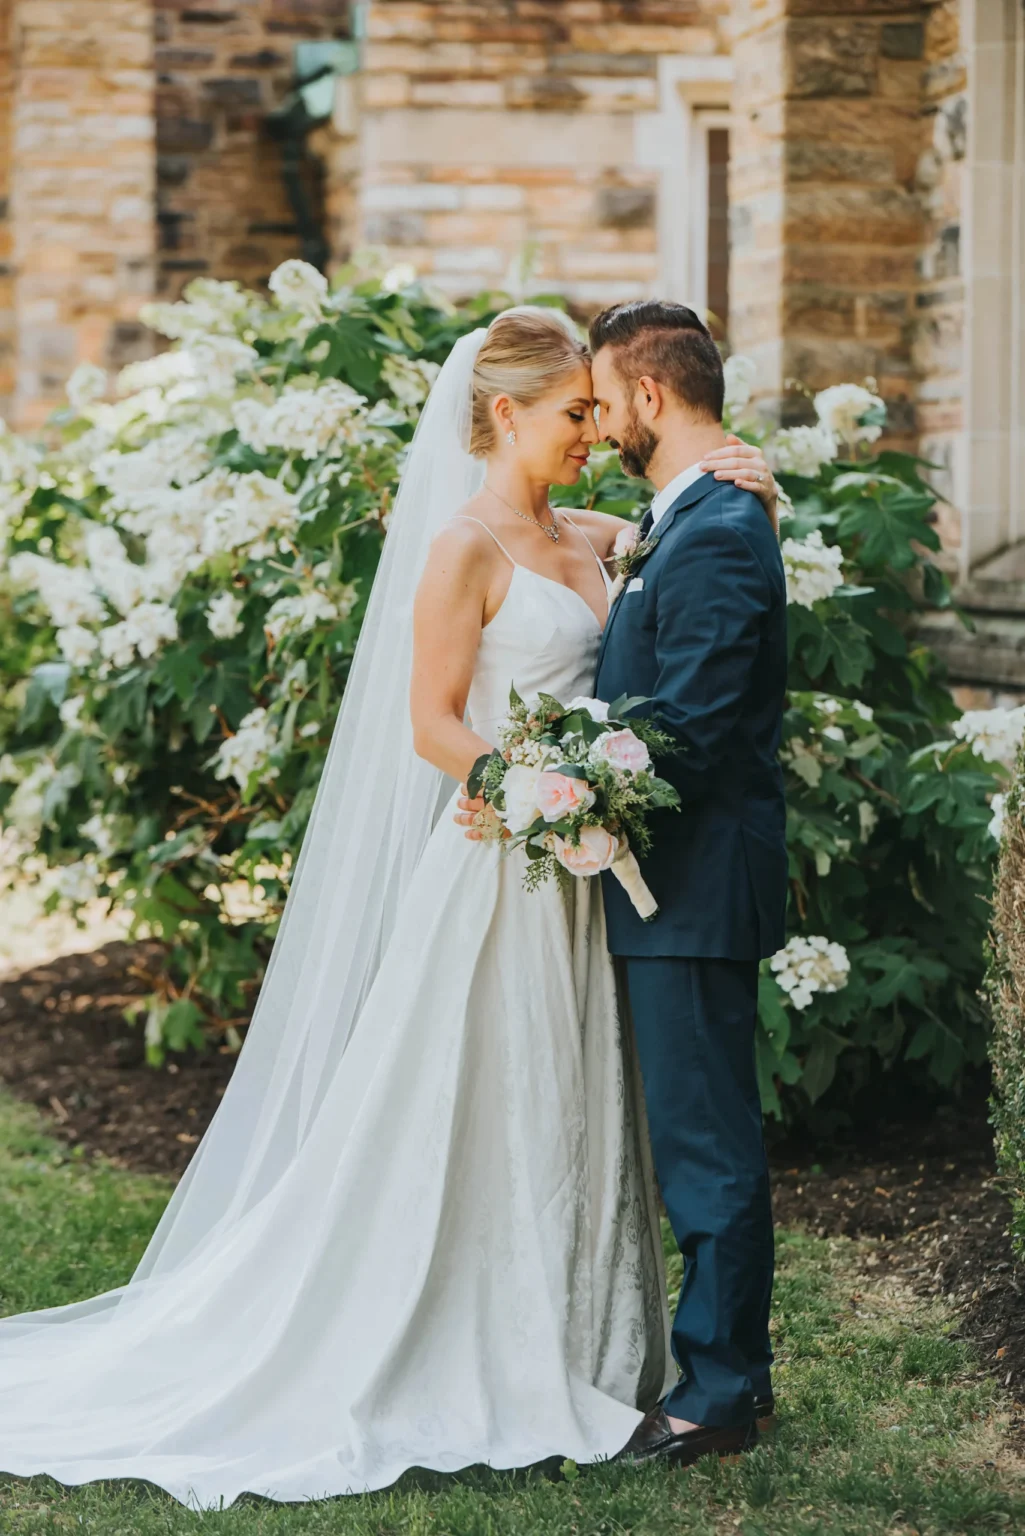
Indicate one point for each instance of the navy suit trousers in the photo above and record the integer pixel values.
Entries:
(694, 1023)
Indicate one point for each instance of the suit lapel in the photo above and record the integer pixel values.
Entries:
(687, 498)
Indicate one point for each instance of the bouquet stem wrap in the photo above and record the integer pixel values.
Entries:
(628, 872)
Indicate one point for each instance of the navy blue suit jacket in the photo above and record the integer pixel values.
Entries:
(705, 640)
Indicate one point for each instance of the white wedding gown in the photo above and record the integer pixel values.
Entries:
(482, 1280)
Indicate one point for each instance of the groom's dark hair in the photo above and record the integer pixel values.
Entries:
(668, 343)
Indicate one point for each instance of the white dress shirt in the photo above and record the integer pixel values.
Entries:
(670, 493)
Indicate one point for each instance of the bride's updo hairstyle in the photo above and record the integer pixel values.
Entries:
(524, 355)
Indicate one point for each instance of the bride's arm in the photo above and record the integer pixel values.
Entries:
(447, 619)
(738, 461)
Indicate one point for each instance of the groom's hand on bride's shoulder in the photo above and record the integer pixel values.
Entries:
(745, 465)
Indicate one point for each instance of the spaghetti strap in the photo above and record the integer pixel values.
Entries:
(461, 517)
(594, 552)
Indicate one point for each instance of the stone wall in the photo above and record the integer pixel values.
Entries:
(81, 188)
(221, 66)
(7, 357)
(827, 221)
(497, 127)
(938, 332)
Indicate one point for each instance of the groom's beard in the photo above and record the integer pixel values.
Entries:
(636, 447)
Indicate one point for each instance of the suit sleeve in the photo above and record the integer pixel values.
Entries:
(710, 613)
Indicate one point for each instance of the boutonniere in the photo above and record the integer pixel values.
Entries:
(629, 552)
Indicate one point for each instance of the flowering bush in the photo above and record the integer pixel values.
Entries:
(1005, 987)
(186, 573)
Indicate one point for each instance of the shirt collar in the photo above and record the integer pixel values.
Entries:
(673, 491)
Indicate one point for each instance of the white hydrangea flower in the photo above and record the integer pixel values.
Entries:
(800, 451)
(301, 420)
(246, 753)
(19, 461)
(409, 379)
(116, 644)
(24, 810)
(805, 966)
(840, 409)
(9, 771)
(117, 577)
(296, 615)
(164, 371)
(998, 807)
(70, 712)
(739, 373)
(171, 555)
(222, 616)
(79, 882)
(257, 504)
(868, 819)
(208, 306)
(298, 285)
(996, 734)
(218, 359)
(176, 457)
(310, 729)
(67, 591)
(86, 385)
(402, 275)
(149, 625)
(143, 631)
(100, 831)
(814, 569)
(77, 645)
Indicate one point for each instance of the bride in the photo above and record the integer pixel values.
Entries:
(421, 1229)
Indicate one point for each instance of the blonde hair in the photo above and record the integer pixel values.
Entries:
(525, 353)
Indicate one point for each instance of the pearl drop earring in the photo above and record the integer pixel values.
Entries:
(510, 437)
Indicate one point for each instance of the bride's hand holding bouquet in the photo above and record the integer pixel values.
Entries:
(573, 786)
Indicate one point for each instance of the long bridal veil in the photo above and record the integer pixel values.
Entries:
(373, 815)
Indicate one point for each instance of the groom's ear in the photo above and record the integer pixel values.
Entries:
(649, 398)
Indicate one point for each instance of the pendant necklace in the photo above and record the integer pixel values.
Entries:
(552, 532)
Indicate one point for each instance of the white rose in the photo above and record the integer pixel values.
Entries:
(596, 708)
(520, 789)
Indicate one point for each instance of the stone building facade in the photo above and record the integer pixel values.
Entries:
(841, 183)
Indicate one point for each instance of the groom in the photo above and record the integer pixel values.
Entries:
(700, 631)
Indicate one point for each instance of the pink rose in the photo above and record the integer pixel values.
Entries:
(596, 852)
(622, 750)
(558, 795)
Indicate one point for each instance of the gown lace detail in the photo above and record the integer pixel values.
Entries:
(461, 1263)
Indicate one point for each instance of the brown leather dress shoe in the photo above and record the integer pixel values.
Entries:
(765, 1418)
(654, 1440)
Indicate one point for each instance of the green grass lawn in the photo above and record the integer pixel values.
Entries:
(887, 1424)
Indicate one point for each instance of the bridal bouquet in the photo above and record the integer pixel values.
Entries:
(573, 786)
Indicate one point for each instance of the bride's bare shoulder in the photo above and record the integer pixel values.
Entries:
(463, 542)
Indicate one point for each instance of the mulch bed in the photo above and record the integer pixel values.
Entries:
(65, 1045)
(925, 1193)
